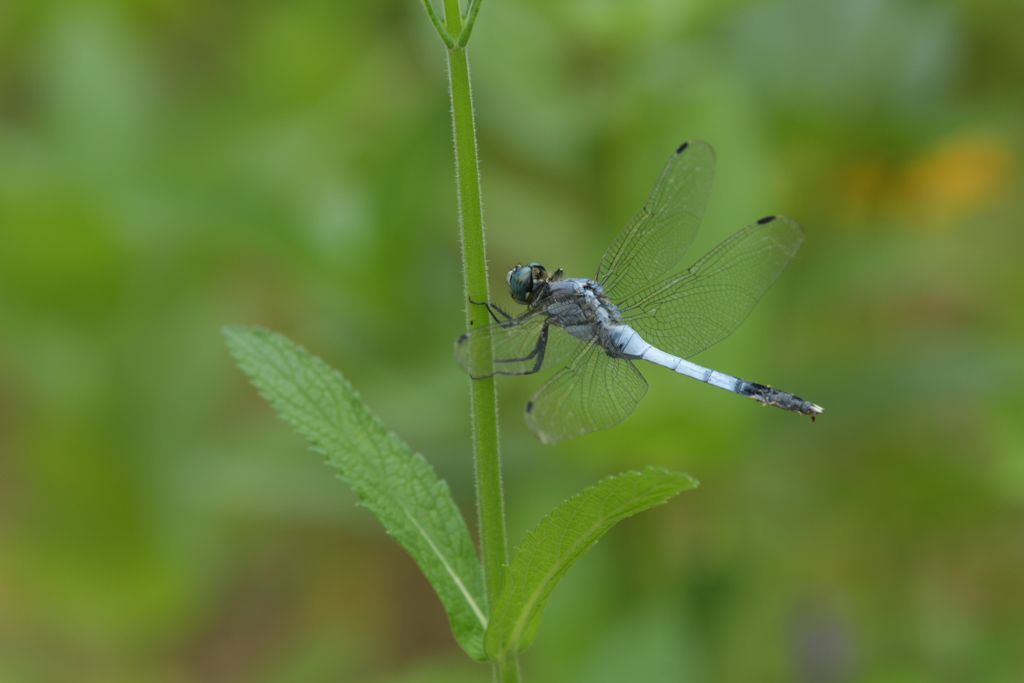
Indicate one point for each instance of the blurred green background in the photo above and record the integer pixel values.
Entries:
(168, 167)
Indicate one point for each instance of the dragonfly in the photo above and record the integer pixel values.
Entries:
(631, 310)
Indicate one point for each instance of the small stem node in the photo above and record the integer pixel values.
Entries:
(439, 26)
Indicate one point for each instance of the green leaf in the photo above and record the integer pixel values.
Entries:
(397, 485)
(559, 540)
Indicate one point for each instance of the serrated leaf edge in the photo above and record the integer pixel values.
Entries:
(521, 623)
(239, 337)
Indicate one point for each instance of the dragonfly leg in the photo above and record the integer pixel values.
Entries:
(537, 352)
(540, 347)
(491, 308)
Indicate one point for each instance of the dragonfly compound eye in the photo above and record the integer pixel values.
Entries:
(521, 280)
(520, 283)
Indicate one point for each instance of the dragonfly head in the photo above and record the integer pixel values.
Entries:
(524, 281)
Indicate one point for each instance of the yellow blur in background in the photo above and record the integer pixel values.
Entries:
(169, 167)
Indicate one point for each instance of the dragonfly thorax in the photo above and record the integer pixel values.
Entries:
(578, 305)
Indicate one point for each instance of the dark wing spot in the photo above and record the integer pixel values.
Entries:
(529, 406)
(766, 219)
(462, 338)
(680, 148)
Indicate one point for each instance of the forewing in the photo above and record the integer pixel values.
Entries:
(594, 392)
(688, 312)
(664, 229)
(519, 346)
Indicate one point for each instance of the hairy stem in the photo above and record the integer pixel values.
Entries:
(483, 392)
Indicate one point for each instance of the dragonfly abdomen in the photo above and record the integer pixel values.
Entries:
(771, 396)
(632, 345)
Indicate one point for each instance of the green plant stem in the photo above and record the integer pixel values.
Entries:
(483, 392)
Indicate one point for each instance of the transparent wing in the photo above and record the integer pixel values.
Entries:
(664, 229)
(688, 312)
(520, 346)
(594, 392)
